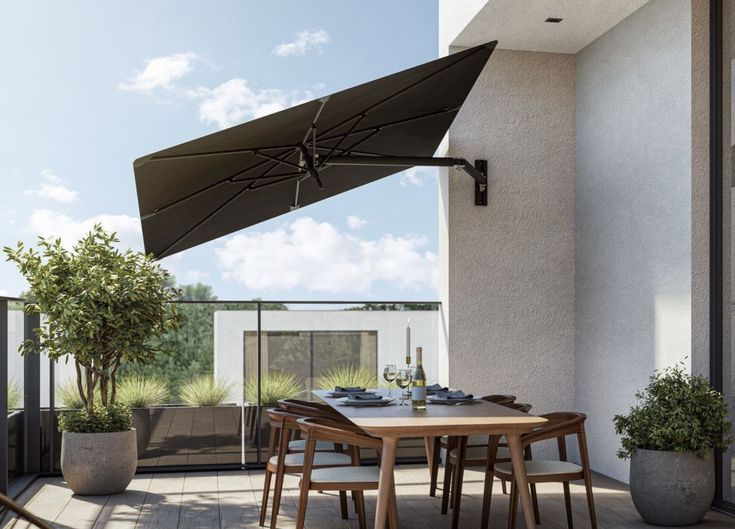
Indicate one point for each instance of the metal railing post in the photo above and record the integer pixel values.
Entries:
(3, 392)
(32, 398)
(258, 412)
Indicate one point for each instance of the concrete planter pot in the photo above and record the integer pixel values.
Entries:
(96, 464)
(671, 488)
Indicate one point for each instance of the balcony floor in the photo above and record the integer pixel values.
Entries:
(231, 499)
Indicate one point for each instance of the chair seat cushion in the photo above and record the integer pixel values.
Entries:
(480, 452)
(540, 468)
(321, 459)
(299, 445)
(346, 475)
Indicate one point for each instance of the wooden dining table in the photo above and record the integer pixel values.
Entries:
(392, 422)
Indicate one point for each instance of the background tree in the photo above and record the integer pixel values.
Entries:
(100, 306)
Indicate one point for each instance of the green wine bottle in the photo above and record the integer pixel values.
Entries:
(418, 383)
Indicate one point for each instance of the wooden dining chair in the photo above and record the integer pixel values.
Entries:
(435, 445)
(559, 425)
(464, 456)
(282, 462)
(309, 409)
(354, 478)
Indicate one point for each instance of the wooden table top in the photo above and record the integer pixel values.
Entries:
(466, 419)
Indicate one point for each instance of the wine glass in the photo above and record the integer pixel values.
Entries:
(389, 374)
(403, 380)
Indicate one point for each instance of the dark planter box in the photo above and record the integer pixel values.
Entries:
(172, 436)
(15, 444)
(181, 435)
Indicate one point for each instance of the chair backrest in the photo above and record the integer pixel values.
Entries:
(557, 426)
(310, 409)
(320, 429)
(520, 406)
(499, 399)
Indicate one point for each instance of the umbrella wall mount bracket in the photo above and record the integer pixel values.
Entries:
(478, 171)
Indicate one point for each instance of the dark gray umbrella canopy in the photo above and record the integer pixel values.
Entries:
(218, 184)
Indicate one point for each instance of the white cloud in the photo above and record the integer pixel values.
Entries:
(161, 72)
(355, 222)
(235, 101)
(305, 41)
(50, 223)
(195, 275)
(416, 176)
(58, 193)
(53, 189)
(311, 256)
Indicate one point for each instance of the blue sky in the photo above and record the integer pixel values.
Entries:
(87, 86)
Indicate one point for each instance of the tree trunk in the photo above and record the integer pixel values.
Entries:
(80, 382)
(90, 390)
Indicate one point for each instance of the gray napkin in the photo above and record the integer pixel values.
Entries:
(364, 396)
(454, 395)
(350, 389)
(436, 387)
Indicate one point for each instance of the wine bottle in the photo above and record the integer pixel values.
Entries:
(418, 384)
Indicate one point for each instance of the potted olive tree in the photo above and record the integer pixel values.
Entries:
(670, 437)
(100, 308)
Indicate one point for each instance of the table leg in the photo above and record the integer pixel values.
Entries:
(521, 481)
(385, 485)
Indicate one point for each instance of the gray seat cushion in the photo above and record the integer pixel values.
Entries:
(540, 468)
(346, 475)
(321, 459)
(299, 445)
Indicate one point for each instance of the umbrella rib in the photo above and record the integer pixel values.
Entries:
(201, 222)
(224, 152)
(409, 87)
(343, 138)
(230, 179)
(277, 160)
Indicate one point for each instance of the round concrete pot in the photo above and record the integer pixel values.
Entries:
(671, 488)
(96, 464)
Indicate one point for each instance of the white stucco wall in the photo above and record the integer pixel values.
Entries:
(509, 267)
(230, 326)
(633, 226)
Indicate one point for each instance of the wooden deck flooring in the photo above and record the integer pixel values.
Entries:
(231, 500)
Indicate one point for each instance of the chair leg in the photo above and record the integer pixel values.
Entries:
(435, 456)
(264, 501)
(513, 505)
(277, 498)
(360, 508)
(458, 478)
(303, 501)
(568, 505)
(590, 500)
(343, 504)
(504, 487)
(534, 499)
(448, 473)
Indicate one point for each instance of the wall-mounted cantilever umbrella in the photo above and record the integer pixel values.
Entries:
(215, 185)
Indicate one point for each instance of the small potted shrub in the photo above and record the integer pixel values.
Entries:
(670, 437)
(347, 376)
(275, 385)
(140, 393)
(101, 307)
(205, 391)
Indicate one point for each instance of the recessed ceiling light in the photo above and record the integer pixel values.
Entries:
(553, 20)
